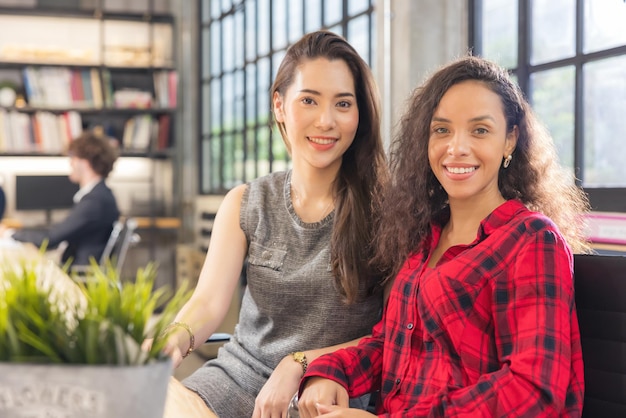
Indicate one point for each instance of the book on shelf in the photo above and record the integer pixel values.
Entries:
(165, 88)
(41, 132)
(163, 132)
(143, 133)
(62, 87)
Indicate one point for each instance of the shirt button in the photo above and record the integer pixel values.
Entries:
(397, 381)
(410, 326)
(266, 255)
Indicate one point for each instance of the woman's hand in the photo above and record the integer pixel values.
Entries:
(171, 348)
(334, 411)
(322, 396)
(273, 399)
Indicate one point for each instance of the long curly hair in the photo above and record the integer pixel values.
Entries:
(358, 188)
(415, 197)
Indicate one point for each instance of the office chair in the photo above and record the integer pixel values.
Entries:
(600, 285)
(122, 237)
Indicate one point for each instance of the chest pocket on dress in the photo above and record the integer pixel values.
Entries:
(260, 255)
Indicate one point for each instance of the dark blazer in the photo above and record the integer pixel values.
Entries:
(86, 228)
(3, 202)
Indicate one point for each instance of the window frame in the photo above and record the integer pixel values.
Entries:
(605, 199)
(263, 122)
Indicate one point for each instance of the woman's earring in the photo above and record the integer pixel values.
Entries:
(507, 161)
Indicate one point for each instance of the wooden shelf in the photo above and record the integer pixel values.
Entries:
(143, 222)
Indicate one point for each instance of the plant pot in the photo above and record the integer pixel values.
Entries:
(80, 391)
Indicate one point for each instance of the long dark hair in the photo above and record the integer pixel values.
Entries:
(534, 176)
(363, 168)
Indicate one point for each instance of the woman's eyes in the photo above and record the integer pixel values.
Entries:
(481, 131)
(442, 130)
(344, 104)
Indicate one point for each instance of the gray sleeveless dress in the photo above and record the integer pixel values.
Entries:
(290, 302)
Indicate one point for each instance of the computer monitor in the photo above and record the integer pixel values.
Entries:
(44, 192)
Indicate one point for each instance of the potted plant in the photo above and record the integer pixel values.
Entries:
(65, 354)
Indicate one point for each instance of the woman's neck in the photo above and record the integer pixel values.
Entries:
(465, 218)
(313, 194)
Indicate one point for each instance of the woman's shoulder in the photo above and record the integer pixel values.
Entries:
(268, 186)
(530, 223)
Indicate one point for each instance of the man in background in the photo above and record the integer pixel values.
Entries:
(3, 202)
(87, 227)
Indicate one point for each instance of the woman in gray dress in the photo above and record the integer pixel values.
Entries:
(306, 235)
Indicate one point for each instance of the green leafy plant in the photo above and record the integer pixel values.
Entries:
(106, 324)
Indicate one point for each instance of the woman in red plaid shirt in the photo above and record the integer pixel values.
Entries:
(478, 234)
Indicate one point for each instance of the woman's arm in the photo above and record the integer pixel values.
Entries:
(218, 279)
(275, 395)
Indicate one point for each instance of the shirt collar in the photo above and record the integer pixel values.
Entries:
(500, 216)
(84, 190)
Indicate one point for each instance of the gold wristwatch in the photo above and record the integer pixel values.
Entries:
(300, 357)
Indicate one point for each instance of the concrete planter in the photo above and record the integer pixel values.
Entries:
(81, 391)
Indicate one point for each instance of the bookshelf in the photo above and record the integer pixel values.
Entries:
(84, 68)
(69, 65)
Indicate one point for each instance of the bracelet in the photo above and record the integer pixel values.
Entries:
(300, 357)
(192, 338)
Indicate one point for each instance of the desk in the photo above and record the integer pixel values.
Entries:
(143, 222)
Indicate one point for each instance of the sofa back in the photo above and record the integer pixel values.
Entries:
(600, 285)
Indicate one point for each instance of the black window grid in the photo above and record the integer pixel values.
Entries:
(233, 153)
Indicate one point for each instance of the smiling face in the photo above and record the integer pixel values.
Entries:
(468, 141)
(319, 112)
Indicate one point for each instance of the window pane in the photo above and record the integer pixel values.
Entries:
(205, 176)
(251, 94)
(552, 95)
(263, 136)
(604, 24)
(605, 124)
(239, 40)
(227, 161)
(276, 60)
(357, 6)
(228, 97)
(333, 11)
(239, 100)
(215, 164)
(238, 161)
(204, 56)
(552, 41)
(216, 42)
(251, 33)
(359, 35)
(312, 15)
(371, 60)
(228, 44)
(500, 31)
(206, 11)
(263, 28)
(206, 110)
(216, 106)
(296, 26)
(263, 90)
(251, 157)
(338, 29)
(279, 24)
(216, 10)
(226, 5)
